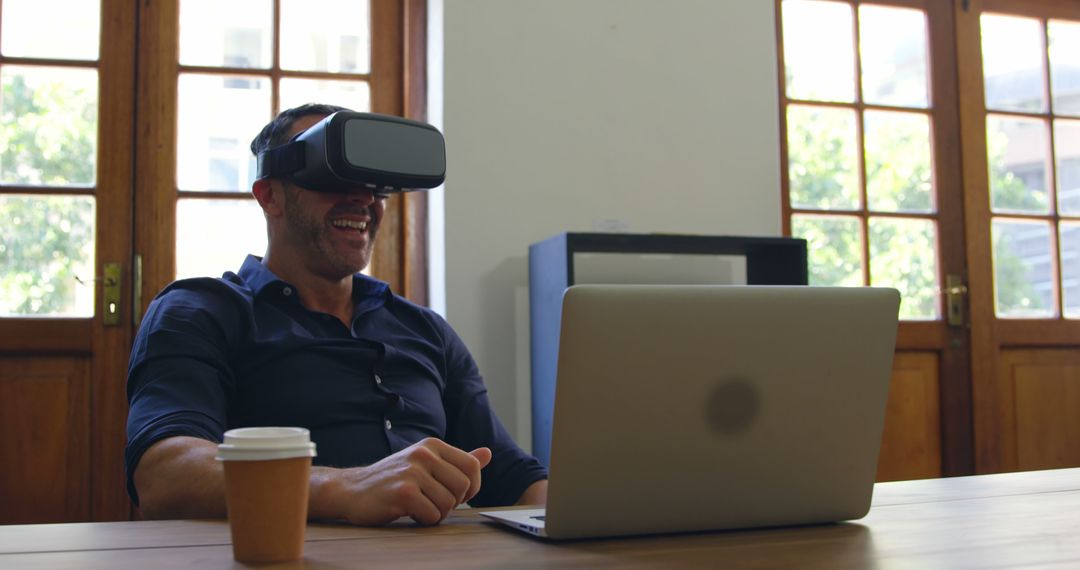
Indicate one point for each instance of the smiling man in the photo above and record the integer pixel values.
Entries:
(393, 399)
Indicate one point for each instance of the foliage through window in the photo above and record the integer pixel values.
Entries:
(860, 179)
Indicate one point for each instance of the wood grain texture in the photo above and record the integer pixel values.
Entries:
(985, 404)
(386, 260)
(1045, 385)
(112, 344)
(68, 405)
(1069, 9)
(155, 144)
(958, 456)
(415, 207)
(1045, 332)
(387, 84)
(911, 446)
(45, 422)
(46, 336)
(1011, 520)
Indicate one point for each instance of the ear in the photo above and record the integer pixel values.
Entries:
(269, 196)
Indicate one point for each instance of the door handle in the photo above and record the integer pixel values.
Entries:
(955, 301)
(110, 299)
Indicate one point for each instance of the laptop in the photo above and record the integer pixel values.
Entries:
(689, 408)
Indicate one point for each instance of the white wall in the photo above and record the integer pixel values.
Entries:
(578, 115)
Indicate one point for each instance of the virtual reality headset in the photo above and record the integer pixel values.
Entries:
(346, 149)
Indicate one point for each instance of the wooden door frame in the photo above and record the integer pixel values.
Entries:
(155, 148)
(105, 347)
(414, 263)
(956, 374)
(402, 262)
(112, 344)
(995, 437)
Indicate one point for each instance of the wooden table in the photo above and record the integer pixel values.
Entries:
(1016, 520)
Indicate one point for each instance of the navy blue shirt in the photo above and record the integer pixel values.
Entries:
(217, 354)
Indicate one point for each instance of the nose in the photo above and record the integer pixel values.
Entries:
(360, 195)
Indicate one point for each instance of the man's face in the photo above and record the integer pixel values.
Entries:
(335, 232)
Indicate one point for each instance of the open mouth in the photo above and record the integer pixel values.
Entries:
(350, 225)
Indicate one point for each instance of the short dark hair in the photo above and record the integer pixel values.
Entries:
(274, 133)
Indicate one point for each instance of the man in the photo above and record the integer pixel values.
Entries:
(391, 395)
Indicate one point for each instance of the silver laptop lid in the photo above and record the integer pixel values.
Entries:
(682, 408)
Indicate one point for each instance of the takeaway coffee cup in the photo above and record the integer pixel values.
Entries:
(267, 470)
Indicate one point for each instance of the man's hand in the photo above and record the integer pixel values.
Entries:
(178, 477)
(424, 482)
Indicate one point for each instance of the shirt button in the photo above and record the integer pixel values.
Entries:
(377, 379)
(388, 426)
(287, 291)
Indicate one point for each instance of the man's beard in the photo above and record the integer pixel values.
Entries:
(313, 236)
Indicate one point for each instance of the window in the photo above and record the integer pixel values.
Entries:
(860, 171)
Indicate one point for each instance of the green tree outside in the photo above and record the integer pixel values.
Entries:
(903, 252)
(48, 133)
(1015, 294)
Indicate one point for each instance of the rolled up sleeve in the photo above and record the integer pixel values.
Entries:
(179, 378)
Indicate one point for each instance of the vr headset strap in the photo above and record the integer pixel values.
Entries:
(281, 160)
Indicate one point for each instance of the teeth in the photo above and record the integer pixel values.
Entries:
(361, 226)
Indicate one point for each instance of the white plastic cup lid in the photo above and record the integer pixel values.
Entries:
(263, 443)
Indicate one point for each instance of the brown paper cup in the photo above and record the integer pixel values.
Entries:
(266, 493)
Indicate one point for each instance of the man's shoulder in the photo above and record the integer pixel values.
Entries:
(209, 293)
(202, 307)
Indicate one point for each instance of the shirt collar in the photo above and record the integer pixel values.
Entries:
(258, 277)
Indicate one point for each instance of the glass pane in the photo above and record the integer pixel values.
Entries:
(214, 236)
(45, 243)
(53, 29)
(835, 248)
(355, 95)
(823, 168)
(892, 49)
(899, 172)
(218, 117)
(903, 254)
(1012, 50)
(1023, 273)
(1070, 268)
(1067, 156)
(819, 50)
(313, 40)
(237, 33)
(1018, 153)
(1064, 43)
(48, 126)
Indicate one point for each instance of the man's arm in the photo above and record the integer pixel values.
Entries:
(178, 477)
(536, 494)
(471, 422)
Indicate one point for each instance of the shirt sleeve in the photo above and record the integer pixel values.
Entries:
(471, 423)
(179, 378)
